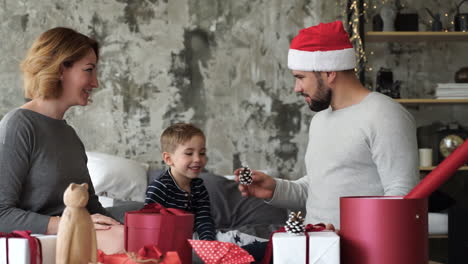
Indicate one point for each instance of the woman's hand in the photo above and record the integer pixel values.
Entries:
(102, 222)
(52, 227)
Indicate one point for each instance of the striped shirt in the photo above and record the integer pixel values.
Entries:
(164, 190)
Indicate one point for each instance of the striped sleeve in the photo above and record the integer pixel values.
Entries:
(156, 193)
(204, 224)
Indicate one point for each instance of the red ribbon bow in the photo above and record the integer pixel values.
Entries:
(157, 208)
(146, 254)
(35, 248)
(269, 249)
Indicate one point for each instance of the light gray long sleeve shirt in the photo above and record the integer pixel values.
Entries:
(39, 157)
(367, 149)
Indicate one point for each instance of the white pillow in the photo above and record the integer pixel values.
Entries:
(117, 177)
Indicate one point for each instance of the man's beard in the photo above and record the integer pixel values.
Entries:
(322, 98)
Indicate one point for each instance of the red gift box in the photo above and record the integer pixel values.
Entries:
(167, 228)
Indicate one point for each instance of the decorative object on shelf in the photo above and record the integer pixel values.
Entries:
(245, 176)
(461, 19)
(388, 14)
(377, 23)
(407, 22)
(447, 139)
(425, 157)
(436, 22)
(295, 224)
(407, 18)
(425, 134)
(452, 91)
(461, 76)
(385, 84)
(449, 143)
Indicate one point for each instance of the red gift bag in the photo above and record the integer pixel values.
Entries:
(167, 228)
(148, 254)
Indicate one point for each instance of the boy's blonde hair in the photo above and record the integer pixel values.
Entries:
(53, 49)
(178, 134)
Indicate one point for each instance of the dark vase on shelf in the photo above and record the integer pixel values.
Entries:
(461, 76)
(436, 23)
(377, 23)
(461, 19)
(385, 84)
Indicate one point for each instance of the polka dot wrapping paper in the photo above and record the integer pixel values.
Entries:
(216, 252)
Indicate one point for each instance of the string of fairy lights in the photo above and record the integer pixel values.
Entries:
(354, 14)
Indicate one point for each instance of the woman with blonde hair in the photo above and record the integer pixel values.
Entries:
(40, 154)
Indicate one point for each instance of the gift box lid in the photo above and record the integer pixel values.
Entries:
(137, 219)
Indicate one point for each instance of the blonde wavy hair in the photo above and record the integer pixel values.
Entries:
(53, 49)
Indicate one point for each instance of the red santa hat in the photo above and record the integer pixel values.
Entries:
(325, 47)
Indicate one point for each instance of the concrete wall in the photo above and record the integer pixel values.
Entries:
(218, 64)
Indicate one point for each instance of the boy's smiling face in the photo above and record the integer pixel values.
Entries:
(187, 160)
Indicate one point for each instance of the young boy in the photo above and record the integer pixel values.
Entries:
(183, 150)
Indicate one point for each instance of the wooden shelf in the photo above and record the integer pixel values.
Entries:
(432, 101)
(438, 236)
(463, 168)
(414, 36)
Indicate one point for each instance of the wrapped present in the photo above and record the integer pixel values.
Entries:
(167, 228)
(147, 254)
(216, 252)
(321, 248)
(20, 247)
(314, 245)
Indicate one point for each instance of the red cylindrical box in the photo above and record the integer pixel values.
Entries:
(168, 232)
(383, 230)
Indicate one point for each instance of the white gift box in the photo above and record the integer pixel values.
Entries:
(324, 248)
(18, 250)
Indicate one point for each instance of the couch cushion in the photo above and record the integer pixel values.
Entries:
(117, 177)
(231, 210)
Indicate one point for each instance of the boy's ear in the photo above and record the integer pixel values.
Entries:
(167, 158)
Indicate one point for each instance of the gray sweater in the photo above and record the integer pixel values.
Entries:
(39, 157)
(366, 149)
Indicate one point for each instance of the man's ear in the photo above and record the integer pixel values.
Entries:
(167, 158)
(330, 77)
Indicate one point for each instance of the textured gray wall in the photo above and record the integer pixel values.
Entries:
(219, 64)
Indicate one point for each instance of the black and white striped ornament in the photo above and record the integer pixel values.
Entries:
(245, 176)
(295, 224)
